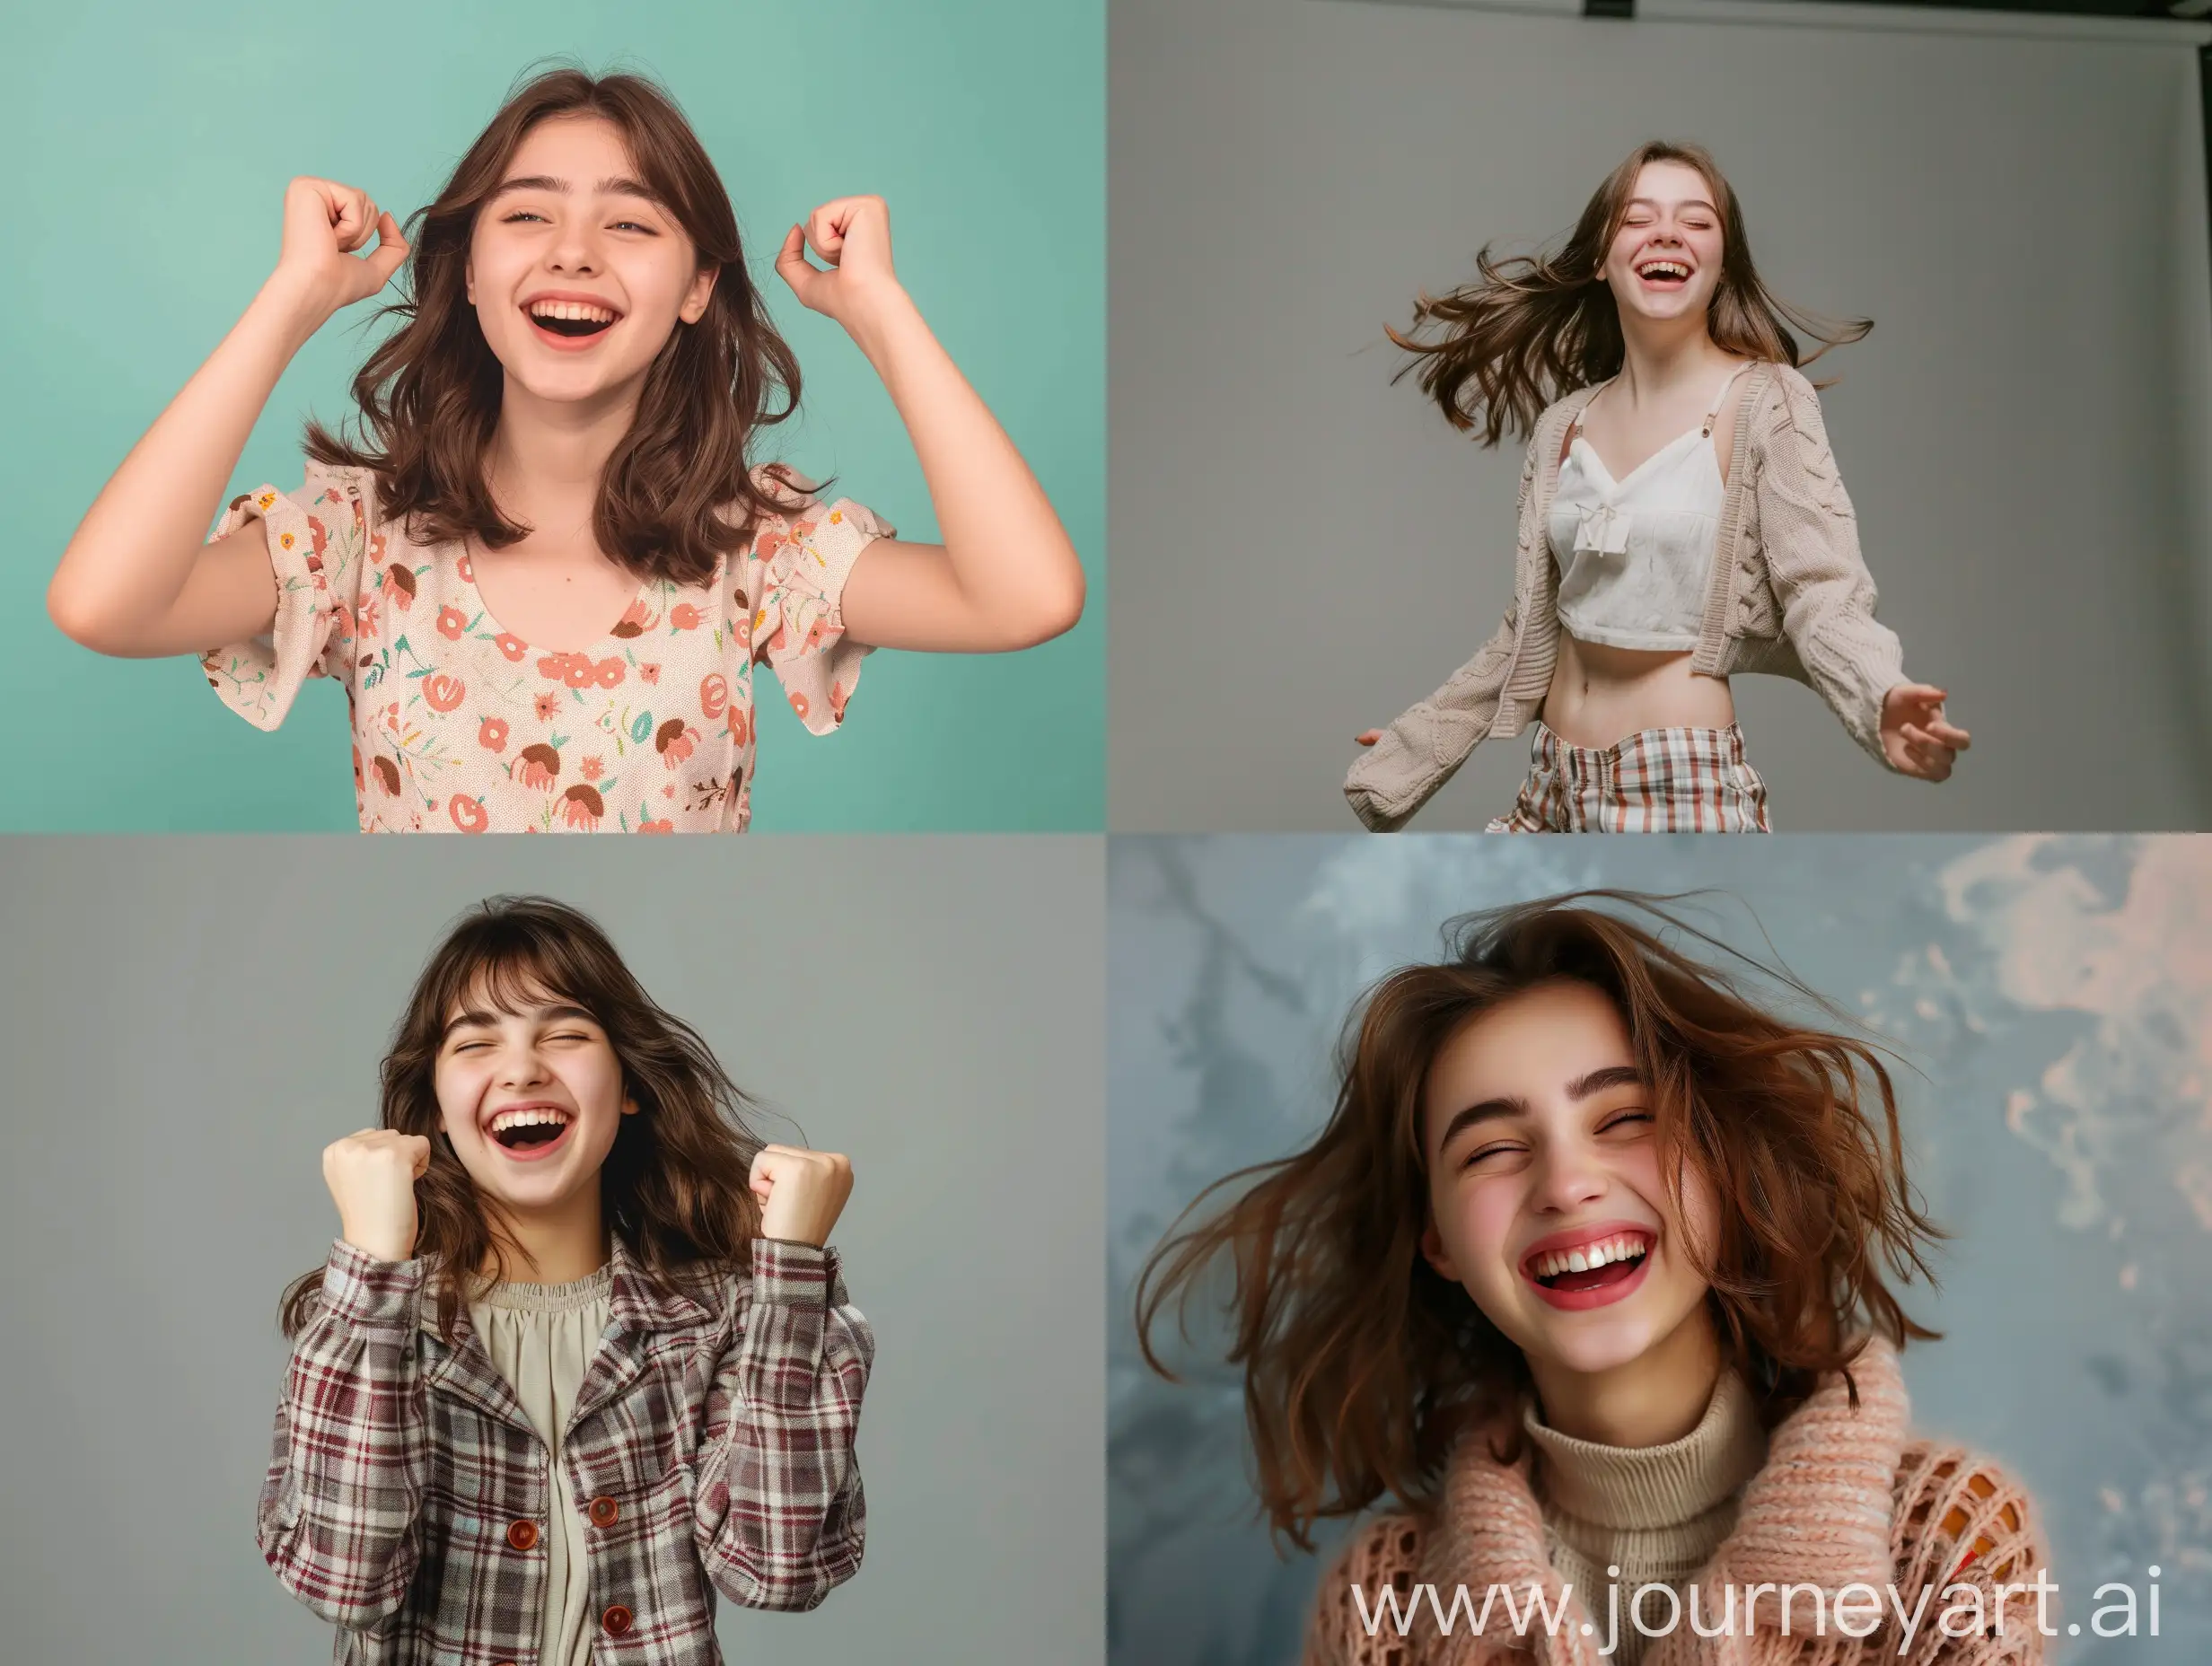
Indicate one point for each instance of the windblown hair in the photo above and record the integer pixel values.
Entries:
(678, 489)
(674, 1185)
(1535, 328)
(1363, 1365)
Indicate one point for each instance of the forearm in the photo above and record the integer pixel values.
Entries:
(1008, 560)
(126, 571)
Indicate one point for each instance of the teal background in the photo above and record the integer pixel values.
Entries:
(152, 145)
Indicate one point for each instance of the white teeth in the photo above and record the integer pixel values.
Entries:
(1589, 1257)
(571, 310)
(525, 1119)
(1663, 268)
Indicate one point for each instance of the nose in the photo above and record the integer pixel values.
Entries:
(576, 249)
(1566, 1176)
(521, 1065)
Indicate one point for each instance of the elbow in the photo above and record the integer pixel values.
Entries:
(1057, 610)
(77, 616)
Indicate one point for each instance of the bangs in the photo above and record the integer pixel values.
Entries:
(508, 965)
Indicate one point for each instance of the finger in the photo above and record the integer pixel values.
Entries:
(793, 265)
(1368, 737)
(391, 250)
(1950, 736)
(825, 229)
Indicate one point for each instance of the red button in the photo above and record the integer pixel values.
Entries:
(617, 1620)
(603, 1512)
(522, 1535)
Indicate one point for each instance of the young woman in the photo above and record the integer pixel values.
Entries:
(547, 568)
(1681, 519)
(579, 1359)
(1588, 1273)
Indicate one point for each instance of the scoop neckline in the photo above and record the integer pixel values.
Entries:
(464, 569)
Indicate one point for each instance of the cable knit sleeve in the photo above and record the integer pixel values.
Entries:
(1810, 535)
(1424, 747)
(1346, 1628)
(1964, 1527)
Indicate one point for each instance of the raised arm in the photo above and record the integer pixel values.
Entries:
(135, 580)
(1006, 575)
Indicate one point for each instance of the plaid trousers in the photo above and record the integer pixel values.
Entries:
(1656, 781)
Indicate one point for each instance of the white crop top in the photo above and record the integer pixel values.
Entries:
(1634, 554)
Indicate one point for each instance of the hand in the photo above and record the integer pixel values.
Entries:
(803, 1192)
(372, 1177)
(325, 227)
(853, 234)
(1915, 738)
(1368, 737)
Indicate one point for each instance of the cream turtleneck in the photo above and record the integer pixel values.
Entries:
(1656, 1512)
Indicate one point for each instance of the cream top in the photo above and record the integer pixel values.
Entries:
(1634, 554)
(1658, 1513)
(540, 1338)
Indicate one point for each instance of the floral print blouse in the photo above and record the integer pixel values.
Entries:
(459, 726)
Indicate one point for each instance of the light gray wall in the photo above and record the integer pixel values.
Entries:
(2053, 998)
(191, 1021)
(1302, 551)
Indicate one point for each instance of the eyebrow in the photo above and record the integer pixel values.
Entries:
(1600, 1081)
(1688, 202)
(620, 184)
(486, 1020)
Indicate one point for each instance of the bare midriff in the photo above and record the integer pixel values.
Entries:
(1601, 695)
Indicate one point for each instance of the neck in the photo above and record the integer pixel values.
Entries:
(1658, 1397)
(559, 1245)
(1657, 357)
(547, 456)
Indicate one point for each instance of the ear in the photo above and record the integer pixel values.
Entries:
(701, 291)
(1434, 1252)
(629, 1106)
(468, 278)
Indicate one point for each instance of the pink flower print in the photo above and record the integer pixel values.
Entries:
(675, 741)
(358, 783)
(467, 813)
(798, 703)
(342, 622)
(537, 765)
(636, 620)
(814, 635)
(512, 646)
(582, 807)
(493, 736)
(548, 707)
(401, 583)
(651, 673)
(656, 827)
(467, 569)
(741, 724)
(770, 542)
(452, 622)
(683, 616)
(609, 673)
(801, 531)
(554, 667)
(318, 535)
(368, 619)
(376, 549)
(714, 695)
(445, 693)
(839, 695)
(591, 769)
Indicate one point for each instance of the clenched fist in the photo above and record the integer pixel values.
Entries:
(853, 234)
(327, 225)
(802, 1192)
(372, 1177)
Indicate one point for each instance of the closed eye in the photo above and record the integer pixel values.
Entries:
(1624, 1120)
(1484, 1152)
(632, 225)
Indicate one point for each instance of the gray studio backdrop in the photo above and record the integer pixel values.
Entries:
(191, 1021)
(2053, 998)
(1302, 550)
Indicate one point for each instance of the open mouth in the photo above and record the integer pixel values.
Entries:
(530, 1132)
(1664, 273)
(571, 322)
(1592, 1274)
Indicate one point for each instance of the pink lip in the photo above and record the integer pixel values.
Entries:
(529, 1153)
(567, 344)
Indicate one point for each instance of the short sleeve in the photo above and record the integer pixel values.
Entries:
(791, 601)
(318, 537)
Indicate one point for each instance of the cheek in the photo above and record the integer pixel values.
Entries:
(1475, 1220)
(459, 1091)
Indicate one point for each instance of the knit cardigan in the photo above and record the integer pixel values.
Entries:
(1846, 1496)
(1788, 594)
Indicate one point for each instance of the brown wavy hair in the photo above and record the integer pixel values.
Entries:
(1363, 1365)
(674, 1185)
(1535, 328)
(677, 491)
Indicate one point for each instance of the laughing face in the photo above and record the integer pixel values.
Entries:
(577, 272)
(1548, 1204)
(531, 1099)
(1664, 261)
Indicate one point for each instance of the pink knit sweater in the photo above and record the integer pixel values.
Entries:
(1846, 1497)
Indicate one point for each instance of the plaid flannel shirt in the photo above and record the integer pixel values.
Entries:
(711, 1448)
